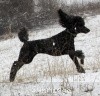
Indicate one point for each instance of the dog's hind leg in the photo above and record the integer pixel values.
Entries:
(15, 67)
(26, 59)
(79, 68)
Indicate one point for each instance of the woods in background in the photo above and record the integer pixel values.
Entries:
(29, 13)
(15, 14)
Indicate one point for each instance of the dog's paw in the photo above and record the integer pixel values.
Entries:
(81, 70)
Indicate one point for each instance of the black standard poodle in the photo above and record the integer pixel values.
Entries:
(60, 44)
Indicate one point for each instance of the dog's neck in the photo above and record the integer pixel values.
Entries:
(71, 32)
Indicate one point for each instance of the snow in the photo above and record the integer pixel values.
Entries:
(53, 76)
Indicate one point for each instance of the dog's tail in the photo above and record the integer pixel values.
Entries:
(23, 35)
(62, 17)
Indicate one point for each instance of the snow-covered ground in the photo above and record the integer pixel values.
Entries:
(53, 76)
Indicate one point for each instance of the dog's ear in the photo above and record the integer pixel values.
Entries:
(63, 18)
(61, 14)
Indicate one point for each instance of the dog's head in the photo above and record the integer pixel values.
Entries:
(74, 23)
(80, 25)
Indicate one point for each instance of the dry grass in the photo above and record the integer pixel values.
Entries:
(59, 68)
(8, 34)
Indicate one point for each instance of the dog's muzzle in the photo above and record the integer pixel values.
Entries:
(82, 29)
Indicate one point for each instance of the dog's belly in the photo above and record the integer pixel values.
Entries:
(56, 52)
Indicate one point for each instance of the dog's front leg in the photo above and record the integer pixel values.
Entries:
(15, 67)
(77, 53)
(79, 68)
(80, 54)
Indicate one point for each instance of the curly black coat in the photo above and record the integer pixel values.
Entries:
(60, 44)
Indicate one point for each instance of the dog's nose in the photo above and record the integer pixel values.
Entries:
(88, 30)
